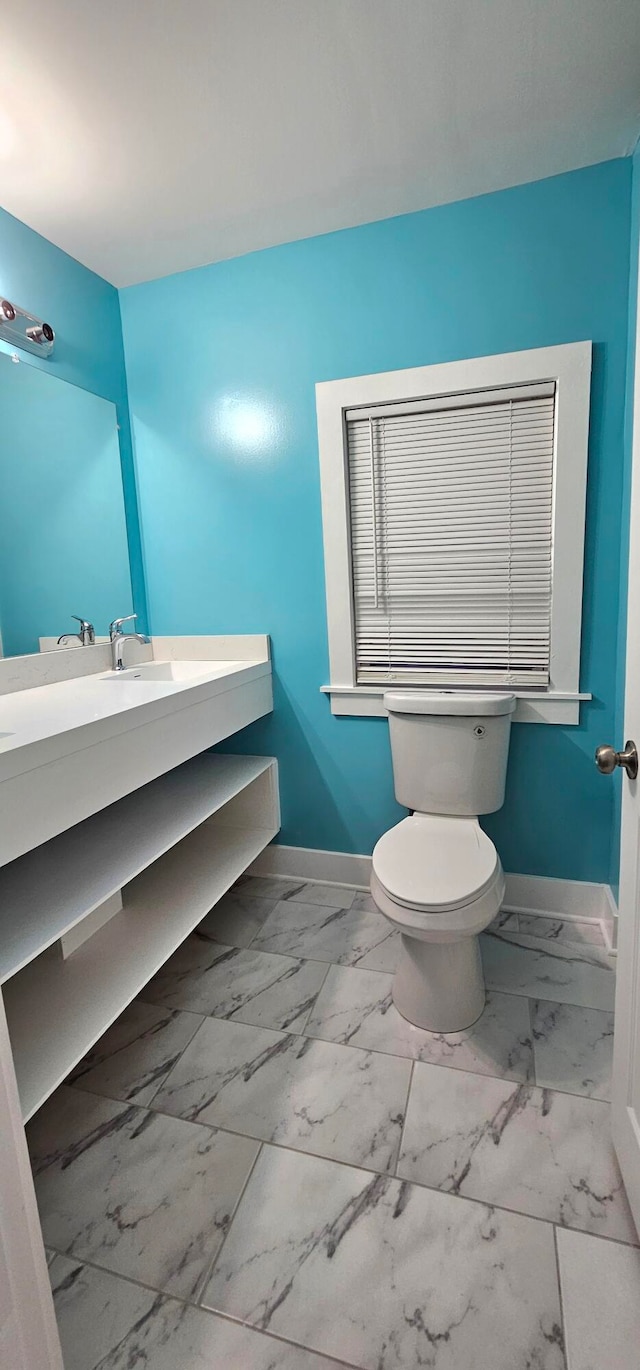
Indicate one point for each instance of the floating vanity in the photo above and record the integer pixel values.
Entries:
(71, 746)
(119, 833)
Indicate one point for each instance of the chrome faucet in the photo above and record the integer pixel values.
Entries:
(119, 640)
(86, 636)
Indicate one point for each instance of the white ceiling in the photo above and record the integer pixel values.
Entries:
(148, 136)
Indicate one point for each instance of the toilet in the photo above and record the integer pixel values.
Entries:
(436, 876)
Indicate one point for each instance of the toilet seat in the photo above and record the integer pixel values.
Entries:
(435, 863)
(437, 857)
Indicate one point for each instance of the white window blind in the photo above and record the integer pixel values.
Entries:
(451, 510)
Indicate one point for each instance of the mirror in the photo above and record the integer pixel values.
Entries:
(63, 536)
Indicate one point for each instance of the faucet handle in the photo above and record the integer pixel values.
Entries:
(115, 628)
(87, 632)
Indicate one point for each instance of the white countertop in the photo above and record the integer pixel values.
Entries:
(43, 723)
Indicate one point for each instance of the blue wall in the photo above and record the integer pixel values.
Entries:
(225, 432)
(85, 312)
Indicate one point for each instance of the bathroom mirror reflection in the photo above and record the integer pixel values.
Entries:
(63, 538)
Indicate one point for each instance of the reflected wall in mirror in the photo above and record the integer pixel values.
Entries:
(63, 537)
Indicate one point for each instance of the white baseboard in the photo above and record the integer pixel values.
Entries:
(610, 921)
(551, 897)
(537, 894)
(311, 863)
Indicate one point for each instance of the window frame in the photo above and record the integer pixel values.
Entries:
(569, 366)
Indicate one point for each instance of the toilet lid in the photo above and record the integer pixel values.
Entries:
(432, 861)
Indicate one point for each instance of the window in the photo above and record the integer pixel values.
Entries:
(453, 511)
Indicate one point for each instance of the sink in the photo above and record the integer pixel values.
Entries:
(168, 670)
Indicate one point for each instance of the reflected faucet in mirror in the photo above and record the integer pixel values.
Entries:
(86, 635)
(119, 640)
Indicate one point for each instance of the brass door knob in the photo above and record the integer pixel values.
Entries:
(607, 759)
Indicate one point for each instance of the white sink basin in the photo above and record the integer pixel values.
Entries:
(168, 670)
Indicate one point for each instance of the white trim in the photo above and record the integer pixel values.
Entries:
(551, 707)
(625, 1094)
(311, 863)
(569, 365)
(551, 897)
(27, 1304)
(572, 900)
(610, 921)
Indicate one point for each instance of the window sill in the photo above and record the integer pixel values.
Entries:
(556, 706)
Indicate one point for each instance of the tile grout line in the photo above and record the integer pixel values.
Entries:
(491, 990)
(364, 889)
(404, 1120)
(355, 965)
(563, 1321)
(394, 1055)
(92, 1264)
(290, 898)
(291, 955)
(416, 1060)
(208, 1271)
(162, 1083)
(279, 1338)
(554, 918)
(74, 1080)
(384, 1174)
(358, 1165)
(89, 1265)
(354, 1046)
(593, 955)
(275, 1337)
(303, 1030)
(567, 1003)
(530, 1003)
(328, 1041)
(498, 934)
(557, 1089)
(248, 1137)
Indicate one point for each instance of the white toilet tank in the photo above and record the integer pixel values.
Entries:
(449, 749)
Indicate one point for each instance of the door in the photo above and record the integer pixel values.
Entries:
(626, 1064)
(28, 1332)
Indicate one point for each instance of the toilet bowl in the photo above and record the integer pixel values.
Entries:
(439, 881)
(436, 876)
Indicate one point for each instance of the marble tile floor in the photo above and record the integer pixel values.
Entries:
(262, 1165)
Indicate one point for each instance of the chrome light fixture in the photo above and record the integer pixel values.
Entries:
(23, 330)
